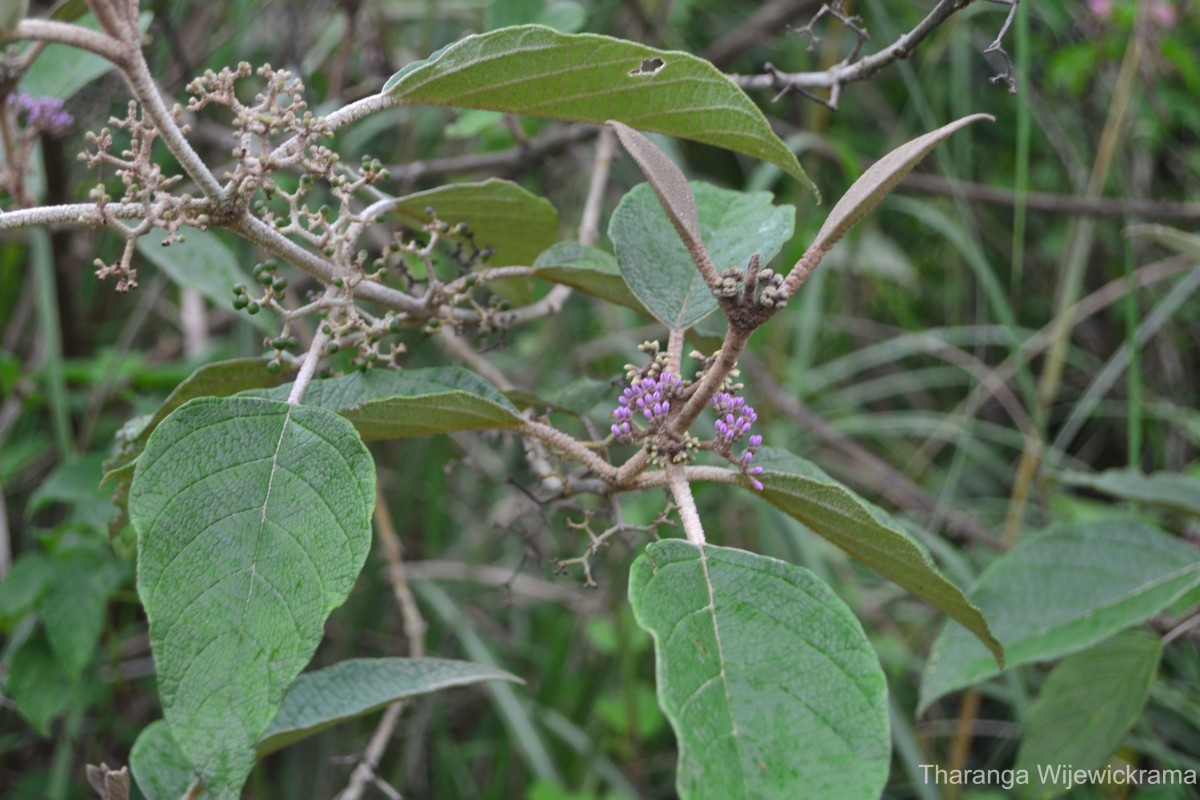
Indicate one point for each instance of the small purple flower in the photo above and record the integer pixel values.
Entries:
(734, 420)
(734, 417)
(649, 397)
(45, 114)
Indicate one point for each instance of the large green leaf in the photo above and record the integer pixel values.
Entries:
(766, 676)
(218, 379)
(829, 509)
(583, 77)
(253, 520)
(1167, 489)
(201, 262)
(499, 215)
(588, 269)
(325, 697)
(1084, 709)
(656, 265)
(1061, 591)
(385, 404)
(160, 769)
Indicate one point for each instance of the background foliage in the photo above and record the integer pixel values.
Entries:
(913, 367)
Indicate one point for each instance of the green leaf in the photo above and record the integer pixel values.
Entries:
(323, 698)
(38, 685)
(1167, 489)
(766, 676)
(669, 185)
(577, 397)
(385, 404)
(502, 13)
(75, 607)
(1085, 708)
(68, 10)
(581, 395)
(1061, 591)
(589, 78)
(62, 71)
(218, 379)
(12, 12)
(24, 586)
(656, 265)
(253, 520)
(204, 263)
(879, 180)
(588, 269)
(76, 483)
(567, 16)
(159, 767)
(499, 214)
(829, 509)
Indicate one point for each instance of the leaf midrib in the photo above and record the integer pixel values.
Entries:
(262, 521)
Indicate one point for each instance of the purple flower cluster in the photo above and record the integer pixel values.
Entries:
(649, 397)
(45, 114)
(734, 419)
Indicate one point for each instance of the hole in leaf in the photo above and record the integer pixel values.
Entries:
(649, 66)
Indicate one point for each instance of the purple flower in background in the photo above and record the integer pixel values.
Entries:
(1163, 14)
(45, 114)
(647, 397)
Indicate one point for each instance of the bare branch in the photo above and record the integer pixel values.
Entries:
(849, 70)
(1117, 208)
(688, 515)
(45, 30)
(1008, 75)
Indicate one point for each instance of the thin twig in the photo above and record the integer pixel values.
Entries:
(849, 72)
(1119, 208)
(589, 223)
(1008, 75)
(414, 633)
